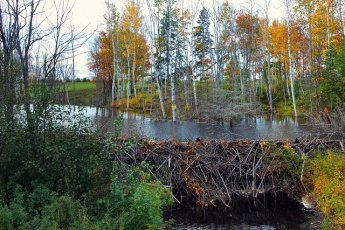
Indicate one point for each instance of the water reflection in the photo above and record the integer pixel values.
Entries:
(247, 128)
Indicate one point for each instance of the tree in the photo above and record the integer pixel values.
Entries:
(112, 19)
(121, 49)
(101, 63)
(267, 39)
(292, 82)
(133, 46)
(202, 42)
(225, 48)
(250, 39)
(332, 87)
(23, 29)
(322, 31)
(155, 49)
(9, 71)
(172, 45)
(202, 50)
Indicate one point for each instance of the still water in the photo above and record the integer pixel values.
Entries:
(271, 212)
(246, 128)
(286, 217)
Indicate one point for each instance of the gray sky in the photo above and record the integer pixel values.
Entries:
(90, 13)
(86, 13)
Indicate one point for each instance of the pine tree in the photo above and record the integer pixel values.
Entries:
(202, 39)
(167, 50)
(332, 87)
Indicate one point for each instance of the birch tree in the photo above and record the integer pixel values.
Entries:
(288, 5)
(153, 29)
(112, 19)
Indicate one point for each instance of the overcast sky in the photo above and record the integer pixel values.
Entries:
(90, 13)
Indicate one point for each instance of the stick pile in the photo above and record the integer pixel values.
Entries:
(212, 172)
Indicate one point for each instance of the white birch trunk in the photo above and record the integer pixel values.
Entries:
(173, 97)
(152, 33)
(133, 74)
(290, 61)
(113, 84)
(267, 3)
(341, 5)
(128, 78)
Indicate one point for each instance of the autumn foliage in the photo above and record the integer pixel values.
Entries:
(328, 174)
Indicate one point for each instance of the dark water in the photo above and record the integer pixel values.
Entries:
(205, 220)
(247, 128)
(285, 215)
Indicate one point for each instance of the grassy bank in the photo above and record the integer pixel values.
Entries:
(82, 93)
(80, 86)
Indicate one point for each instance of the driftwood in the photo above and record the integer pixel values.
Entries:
(213, 172)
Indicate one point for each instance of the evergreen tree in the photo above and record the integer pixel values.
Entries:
(202, 40)
(168, 21)
(332, 88)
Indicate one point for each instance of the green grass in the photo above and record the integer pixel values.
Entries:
(82, 93)
(83, 97)
(78, 86)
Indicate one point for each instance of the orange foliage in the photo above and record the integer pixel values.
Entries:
(279, 42)
(102, 58)
(130, 47)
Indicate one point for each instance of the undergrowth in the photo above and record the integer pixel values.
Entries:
(327, 172)
(57, 173)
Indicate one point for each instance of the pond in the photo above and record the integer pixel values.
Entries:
(246, 128)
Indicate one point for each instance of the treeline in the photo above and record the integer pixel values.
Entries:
(223, 59)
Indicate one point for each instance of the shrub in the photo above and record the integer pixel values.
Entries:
(328, 178)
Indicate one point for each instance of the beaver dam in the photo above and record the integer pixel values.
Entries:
(221, 173)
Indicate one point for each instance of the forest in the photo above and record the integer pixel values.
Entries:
(180, 62)
(199, 61)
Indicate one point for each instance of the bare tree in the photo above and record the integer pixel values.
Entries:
(9, 12)
(64, 71)
(24, 26)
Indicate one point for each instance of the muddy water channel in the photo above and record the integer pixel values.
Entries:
(271, 214)
(247, 128)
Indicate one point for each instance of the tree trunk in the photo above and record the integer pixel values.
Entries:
(290, 67)
(133, 74)
(128, 78)
(173, 98)
(113, 84)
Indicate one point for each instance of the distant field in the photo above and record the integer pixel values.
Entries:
(81, 86)
(82, 93)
